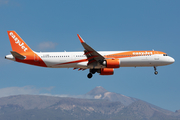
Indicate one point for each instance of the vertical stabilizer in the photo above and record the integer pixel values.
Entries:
(21, 52)
(17, 44)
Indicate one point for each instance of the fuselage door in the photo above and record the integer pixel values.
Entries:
(73, 57)
(36, 58)
(156, 56)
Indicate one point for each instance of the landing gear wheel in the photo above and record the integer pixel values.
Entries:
(156, 72)
(89, 75)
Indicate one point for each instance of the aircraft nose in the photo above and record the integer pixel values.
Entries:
(171, 60)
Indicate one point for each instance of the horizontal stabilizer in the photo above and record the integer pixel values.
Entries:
(17, 55)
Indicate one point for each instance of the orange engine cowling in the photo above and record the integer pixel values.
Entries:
(112, 63)
(107, 71)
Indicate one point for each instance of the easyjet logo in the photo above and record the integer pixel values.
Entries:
(142, 53)
(17, 41)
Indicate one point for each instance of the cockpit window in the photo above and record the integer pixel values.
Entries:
(165, 55)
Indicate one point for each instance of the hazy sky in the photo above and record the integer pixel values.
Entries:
(105, 25)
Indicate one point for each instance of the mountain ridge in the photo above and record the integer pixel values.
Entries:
(107, 106)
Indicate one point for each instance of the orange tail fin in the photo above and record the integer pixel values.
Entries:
(17, 43)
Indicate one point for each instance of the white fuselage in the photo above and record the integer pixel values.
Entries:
(78, 59)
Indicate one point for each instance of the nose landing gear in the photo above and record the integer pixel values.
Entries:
(156, 72)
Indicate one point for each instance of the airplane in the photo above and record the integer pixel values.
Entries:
(102, 62)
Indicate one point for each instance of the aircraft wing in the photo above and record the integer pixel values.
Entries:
(92, 55)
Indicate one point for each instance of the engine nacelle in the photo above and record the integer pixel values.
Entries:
(112, 63)
(107, 71)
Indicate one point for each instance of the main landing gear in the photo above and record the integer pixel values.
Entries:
(91, 72)
(89, 75)
(156, 72)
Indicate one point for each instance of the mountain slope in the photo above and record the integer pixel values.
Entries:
(30, 101)
(101, 93)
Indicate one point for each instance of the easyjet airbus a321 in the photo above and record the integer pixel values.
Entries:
(102, 62)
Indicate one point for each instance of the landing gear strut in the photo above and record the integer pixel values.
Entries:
(156, 72)
(91, 72)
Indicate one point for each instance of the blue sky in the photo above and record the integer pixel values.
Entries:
(104, 25)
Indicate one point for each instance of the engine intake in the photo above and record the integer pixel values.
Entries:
(111, 63)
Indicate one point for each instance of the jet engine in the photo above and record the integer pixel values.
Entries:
(107, 71)
(111, 63)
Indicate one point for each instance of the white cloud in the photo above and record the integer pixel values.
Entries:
(71, 96)
(30, 90)
(4, 92)
(46, 45)
(49, 88)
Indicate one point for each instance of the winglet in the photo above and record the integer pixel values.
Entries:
(81, 40)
